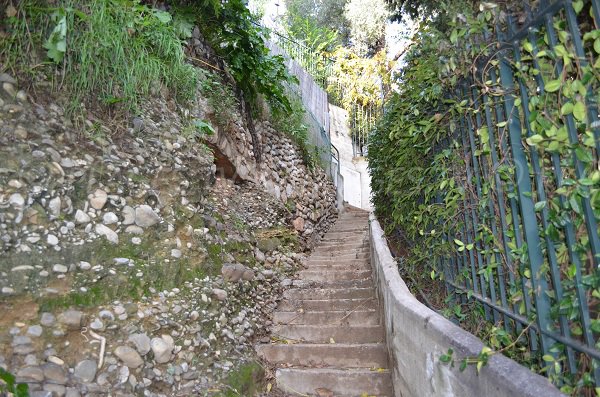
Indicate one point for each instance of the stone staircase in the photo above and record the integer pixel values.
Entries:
(328, 340)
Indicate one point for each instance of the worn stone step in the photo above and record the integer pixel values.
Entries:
(323, 305)
(341, 256)
(334, 275)
(349, 229)
(329, 293)
(339, 267)
(366, 282)
(325, 333)
(341, 243)
(350, 247)
(343, 383)
(340, 355)
(335, 264)
(341, 317)
(350, 234)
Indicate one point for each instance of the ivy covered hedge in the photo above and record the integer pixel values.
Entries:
(486, 162)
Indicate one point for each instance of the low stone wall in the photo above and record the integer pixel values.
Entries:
(417, 336)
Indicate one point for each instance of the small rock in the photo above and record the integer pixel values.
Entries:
(8, 291)
(81, 217)
(47, 319)
(175, 253)
(194, 315)
(56, 360)
(35, 330)
(109, 218)
(51, 239)
(141, 343)
(17, 201)
(98, 199)
(162, 350)
(85, 371)
(106, 315)
(133, 229)
(107, 232)
(54, 206)
(30, 374)
(219, 294)
(145, 216)
(55, 374)
(128, 215)
(73, 319)
(232, 272)
(85, 265)
(130, 357)
(97, 325)
(60, 268)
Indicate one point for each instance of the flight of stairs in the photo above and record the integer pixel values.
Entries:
(328, 340)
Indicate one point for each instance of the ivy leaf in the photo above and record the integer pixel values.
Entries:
(579, 111)
(578, 6)
(534, 140)
(597, 45)
(553, 85)
(539, 206)
(548, 358)
(163, 16)
(527, 46)
(567, 108)
(575, 204)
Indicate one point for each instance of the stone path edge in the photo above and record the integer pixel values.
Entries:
(416, 337)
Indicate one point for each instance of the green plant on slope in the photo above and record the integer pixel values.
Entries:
(111, 52)
(8, 385)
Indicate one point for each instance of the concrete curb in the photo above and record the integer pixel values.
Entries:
(417, 336)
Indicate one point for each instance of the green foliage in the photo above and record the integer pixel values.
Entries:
(423, 156)
(367, 21)
(111, 52)
(8, 385)
(245, 381)
(305, 30)
(233, 33)
(221, 97)
(323, 15)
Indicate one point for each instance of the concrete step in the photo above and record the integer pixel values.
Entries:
(338, 252)
(329, 293)
(341, 256)
(334, 261)
(366, 282)
(341, 243)
(350, 234)
(341, 317)
(334, 274)
(343, 383)
(323, 305)
(325, 333)
(339, 267)
(340, 355)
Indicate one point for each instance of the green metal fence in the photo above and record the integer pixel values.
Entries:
(529, 242)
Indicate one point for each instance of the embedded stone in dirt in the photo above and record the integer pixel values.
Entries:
(145, 216)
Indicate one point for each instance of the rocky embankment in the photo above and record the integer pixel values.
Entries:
(127, 267)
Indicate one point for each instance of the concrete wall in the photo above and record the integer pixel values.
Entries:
(314, 97)
(417, 337)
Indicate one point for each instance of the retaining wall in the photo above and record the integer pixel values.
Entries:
(417, 336)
